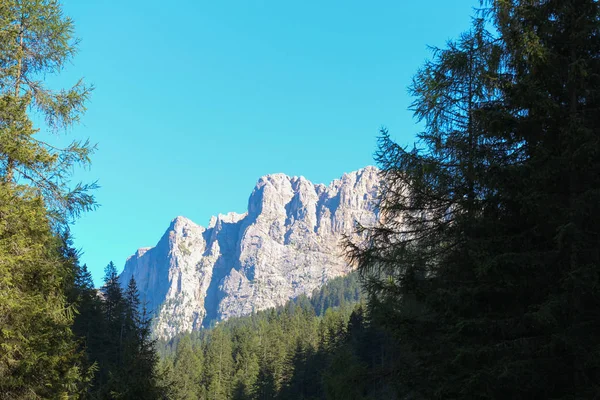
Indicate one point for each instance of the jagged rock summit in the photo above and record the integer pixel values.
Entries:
(286, 244)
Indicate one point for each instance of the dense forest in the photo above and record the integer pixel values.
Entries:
(314, 347)
(481, 280)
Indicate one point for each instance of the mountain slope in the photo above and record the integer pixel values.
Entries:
(287, 244)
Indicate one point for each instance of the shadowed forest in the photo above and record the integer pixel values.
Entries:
(481, 280)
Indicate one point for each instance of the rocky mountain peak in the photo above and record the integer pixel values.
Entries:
(288, 243)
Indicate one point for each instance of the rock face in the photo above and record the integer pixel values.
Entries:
(288, 243)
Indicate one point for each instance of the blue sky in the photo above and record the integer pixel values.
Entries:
(195, 100)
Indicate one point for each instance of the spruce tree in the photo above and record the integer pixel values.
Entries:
(110, 357)
(113, 300)
(246, 365)
(485, 265)
(422, 263)
(188, 366)
(219, 365)
(39, 355)
(552, 107)
(125, 353)
(139, 367)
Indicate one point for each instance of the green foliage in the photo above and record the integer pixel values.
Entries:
(219, 365)
(246, 352)
(485, 266)
(336, 293)
(116, 334)
(482, 279)
(190, 360)
(36, 39)
(284, 353)
(39, 355)
(38, 352)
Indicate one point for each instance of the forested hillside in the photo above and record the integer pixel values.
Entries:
(312, 348)
(479, 280)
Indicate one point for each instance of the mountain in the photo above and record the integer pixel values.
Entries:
(286, 244)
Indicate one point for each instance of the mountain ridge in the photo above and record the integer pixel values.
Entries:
(284, 245)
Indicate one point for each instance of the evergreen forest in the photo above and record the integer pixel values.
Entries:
(481, 279)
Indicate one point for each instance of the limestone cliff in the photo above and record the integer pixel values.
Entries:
(286, 244)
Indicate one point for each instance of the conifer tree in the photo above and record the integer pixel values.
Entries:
(421, 263)
(110, 357)
(486, 235)
(187, 363)
(113, 303)
(219, 365)
(37, 39)
(123, 349)
(139, 376)
(276, 354)
(39, 355)
(552, 107)
(246, 365)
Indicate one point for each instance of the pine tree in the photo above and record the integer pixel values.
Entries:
(425, 263)
(139, 367)
(110, 351)
(88, 324)
(485, 266)
(125, 351)
(552, 106)
(286, 353)
(187, 363)
(39, 355)
(246, 365)
(37, 39)
(80, 290)
(219, 365)
(113, 301)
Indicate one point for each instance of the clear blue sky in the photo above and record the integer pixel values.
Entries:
(195, 100)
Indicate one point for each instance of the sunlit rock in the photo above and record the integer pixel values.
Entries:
(288, 243)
